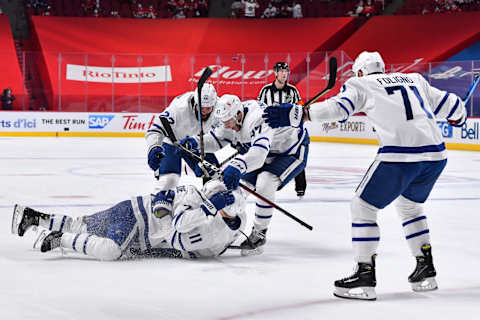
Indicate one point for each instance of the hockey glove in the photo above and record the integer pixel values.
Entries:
(222, 199)
(233, 173)
(460, 122)
(190, 144)
(284, 115)
(155, 156)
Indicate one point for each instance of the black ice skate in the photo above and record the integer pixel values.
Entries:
(253, 245)
(423, 277)
(48, 240)
(24, 218)
(300, 193)
(361, 285)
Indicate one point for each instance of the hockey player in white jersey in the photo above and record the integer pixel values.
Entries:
(403, 109)
(187, 223)
(182, 114)
(268, 160)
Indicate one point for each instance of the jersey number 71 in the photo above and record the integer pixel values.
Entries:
(406, 99)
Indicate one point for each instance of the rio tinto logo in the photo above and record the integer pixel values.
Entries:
(119, 75)
(226, 72)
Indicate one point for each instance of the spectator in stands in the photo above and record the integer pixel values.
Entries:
(151, 12)
(236, 7)
(270, 12)
(88, 7)
(179, 15)
(249, 8)
(203, 7)
(1, 11)
(114, 14)
(368, 9)
(297, 10)
(359, 9)
(284, 10)
(139, 13)
(7, 99)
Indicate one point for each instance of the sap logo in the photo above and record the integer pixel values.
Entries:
(471, 133)
(445, 128)
(99, 121)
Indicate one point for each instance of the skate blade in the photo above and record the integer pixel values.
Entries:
(42, 234)
(252, 252)
(17, 218)
(360, 293)
(429, 284)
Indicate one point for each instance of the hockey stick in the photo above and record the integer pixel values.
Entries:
(471, 89)
(171, 135)
(203, 78)
(332, 69)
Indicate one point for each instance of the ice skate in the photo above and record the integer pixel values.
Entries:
(48, 240)
(360, 285)
(253, 245)
(300, 194)
(423, 277)
(24, 218)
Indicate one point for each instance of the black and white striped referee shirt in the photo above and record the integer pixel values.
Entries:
(271, 95)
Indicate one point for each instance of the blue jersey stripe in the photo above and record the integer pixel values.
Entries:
(196, 240)
(413, 235)
(172, 242)
(85, 244)
(262, 138)
(350, 102)
(246, 167)
(75, 241)
(260, 146)
(145, 219)
(180, 241)
(421, 149)
(361, 225)
(437, 110)
(51, 222)
(414, 220)
(178, 217)
(366, 239)
(63, 223)
(263, 217)
(454, 108)
(160, 128)
(344, 108)
(216, 139)
(263, 206)
(195, 236)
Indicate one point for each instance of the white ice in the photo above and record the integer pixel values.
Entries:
(293, 279)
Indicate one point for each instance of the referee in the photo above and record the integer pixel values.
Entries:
(280, 91)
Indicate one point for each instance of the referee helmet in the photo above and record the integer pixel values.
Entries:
(281, 65)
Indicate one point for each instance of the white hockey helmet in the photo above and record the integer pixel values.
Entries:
(209, 95)
(368, 63)
(229, 106)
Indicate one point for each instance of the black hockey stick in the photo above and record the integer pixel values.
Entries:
(203, 78)
(171, 135)
(332, 69)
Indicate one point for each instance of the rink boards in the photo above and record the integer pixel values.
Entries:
(356, 129)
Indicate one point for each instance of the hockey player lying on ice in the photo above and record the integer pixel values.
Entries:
(187, 223)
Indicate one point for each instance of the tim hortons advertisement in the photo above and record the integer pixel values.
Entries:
(76, 122)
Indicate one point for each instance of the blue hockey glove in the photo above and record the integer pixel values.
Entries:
(233, 173)
(222, 199)
(284, 115)
(155, 156)
(190, 144)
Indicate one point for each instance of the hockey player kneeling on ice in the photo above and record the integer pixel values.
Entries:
(268, 158)
(188, 223)
(404, 109)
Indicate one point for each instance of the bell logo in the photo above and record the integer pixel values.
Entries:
(99, 121)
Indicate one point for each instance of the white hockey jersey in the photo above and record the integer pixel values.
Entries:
(403, 108)
(256, 140)
(189, 229)
(183, 119)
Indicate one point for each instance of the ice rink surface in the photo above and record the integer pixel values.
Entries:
(294, 277)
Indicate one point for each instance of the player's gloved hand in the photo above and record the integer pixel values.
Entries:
(284, 115)
(233, 173)
(199, 172)
(155, 156)
(190, 144)
(222, 199)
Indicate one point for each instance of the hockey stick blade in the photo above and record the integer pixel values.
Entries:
(472, 88)
(331, 81)
(169, 130)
